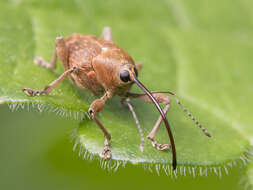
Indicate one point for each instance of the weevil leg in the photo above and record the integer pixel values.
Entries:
(107, 34)
(130, 107)
(97, 106)
(60, 51)
(138, 66)
(41, 62)
(50, 87)
(161, 98)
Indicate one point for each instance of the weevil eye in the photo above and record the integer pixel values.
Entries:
(136, 72)
(125, 76)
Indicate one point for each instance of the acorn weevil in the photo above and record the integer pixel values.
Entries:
(98, 65)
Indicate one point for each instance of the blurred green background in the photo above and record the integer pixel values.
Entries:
(203, 47)
(36, 153)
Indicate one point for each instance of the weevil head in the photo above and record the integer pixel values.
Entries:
(115, 70)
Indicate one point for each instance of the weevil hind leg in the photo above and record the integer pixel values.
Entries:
(107, 34)
(48, 65)
(59, 51)
(161, 98)
(97, 106)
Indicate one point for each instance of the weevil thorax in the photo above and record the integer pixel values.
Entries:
(109, 66)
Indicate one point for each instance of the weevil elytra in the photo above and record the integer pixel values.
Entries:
(98, 65)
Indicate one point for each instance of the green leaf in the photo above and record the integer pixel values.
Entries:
(18, 37)
(206, 64)
(247, 181)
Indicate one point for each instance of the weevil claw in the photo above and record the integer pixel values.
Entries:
(30, 92)
(38, 61)
(160, 146)
(106, 154)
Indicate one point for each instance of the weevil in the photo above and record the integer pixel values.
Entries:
(98, 65)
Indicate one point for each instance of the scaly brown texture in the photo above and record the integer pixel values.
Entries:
(94, 55)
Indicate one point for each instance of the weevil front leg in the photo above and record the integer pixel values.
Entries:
(161, 98)
(96, 106)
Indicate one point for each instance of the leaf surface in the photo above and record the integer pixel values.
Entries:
(183, 48)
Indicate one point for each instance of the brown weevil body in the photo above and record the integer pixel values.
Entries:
(98, 65)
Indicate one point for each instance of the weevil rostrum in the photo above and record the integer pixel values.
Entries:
(98, 65)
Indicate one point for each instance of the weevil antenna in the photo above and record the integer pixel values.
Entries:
(188, 113)
(174, 159)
